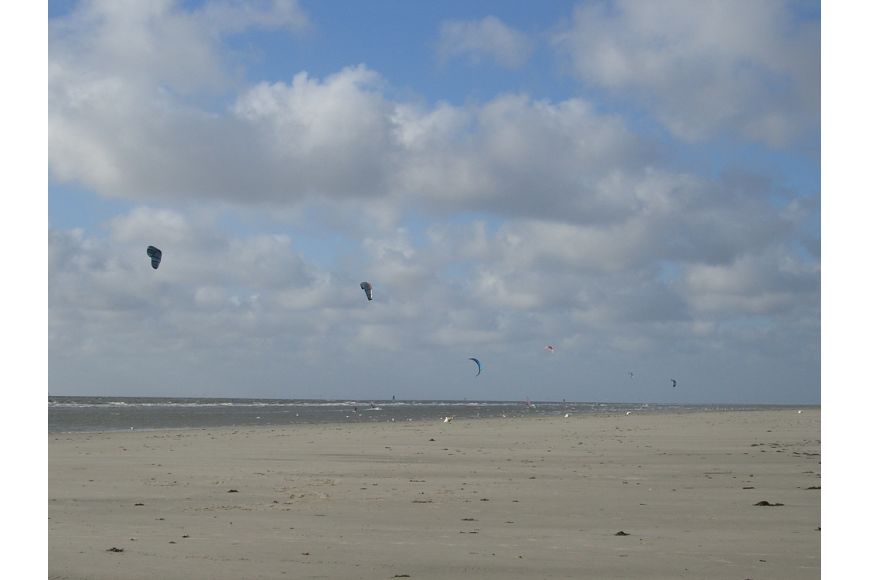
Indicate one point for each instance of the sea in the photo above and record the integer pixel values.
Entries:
(98, 414)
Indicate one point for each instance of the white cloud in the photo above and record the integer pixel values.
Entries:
(338, 138)
(331, 137)
(233, 16)
(518, 156)
(761, 283)
(487, 39)
(703, 67)
(584, 233)
(129, 87)
(221, 298)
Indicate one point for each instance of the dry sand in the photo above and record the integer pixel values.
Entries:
(511, 498)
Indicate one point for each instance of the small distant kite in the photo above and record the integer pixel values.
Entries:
(631, 374)
(155, 256)
(477, 362)
(367, 288)
(674, 383)
(551, 348)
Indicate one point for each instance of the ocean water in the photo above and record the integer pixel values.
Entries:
(95, 414)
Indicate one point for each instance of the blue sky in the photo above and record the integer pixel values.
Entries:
(639, 187)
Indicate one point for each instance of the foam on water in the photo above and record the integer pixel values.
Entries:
(90, 414)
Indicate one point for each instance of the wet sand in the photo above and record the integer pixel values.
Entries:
(510, 498)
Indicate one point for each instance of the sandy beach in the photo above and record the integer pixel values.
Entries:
(622, 496)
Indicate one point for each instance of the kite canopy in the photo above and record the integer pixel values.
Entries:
(674, 381)
(155, 256)
(551, 348)
(367, 288)
(476, 362)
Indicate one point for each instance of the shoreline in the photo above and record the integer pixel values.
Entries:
(636, 409)
(482, 498)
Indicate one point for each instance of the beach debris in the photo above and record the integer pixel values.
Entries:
(764, 502)
(431, 439)
(401, 576)
(155, 254)
(567, 415)
(232, 491)
(114, 549)
(628, 412)
(799, 411)
(477, 362)
(448, 419)
(367, 288)
(621, 533)
(140, 503)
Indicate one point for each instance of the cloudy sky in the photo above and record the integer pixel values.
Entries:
(635, 183)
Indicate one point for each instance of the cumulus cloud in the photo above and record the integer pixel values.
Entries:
(222, 298)
(518, 156)
(494, 226)
(760, 283)
(339, 138)
(129, 90)
(703, 68)
(487, 39)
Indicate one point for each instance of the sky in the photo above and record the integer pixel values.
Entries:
(637, 184)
